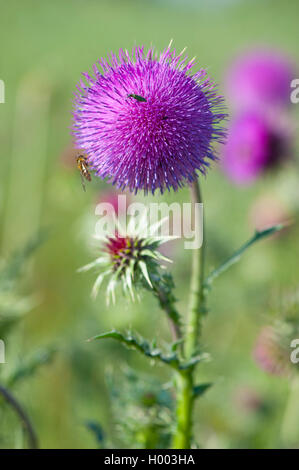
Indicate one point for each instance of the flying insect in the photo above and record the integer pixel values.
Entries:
(82, 165)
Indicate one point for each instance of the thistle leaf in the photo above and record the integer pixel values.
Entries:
(143, 346)
(97, 431)
(29, 367)
(193, 361)
(199, 390)
(235, 257)
(176, 344)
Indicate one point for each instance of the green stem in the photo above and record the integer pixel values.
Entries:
(184, 406)
(171, 312)
(196, 305)
(185, 379)
(6, 394)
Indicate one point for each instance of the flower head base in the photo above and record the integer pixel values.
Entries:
(130, 259)
(122, 249)
(126, 251)
(146, 123)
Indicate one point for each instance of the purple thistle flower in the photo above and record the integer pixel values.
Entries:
(145, 122)
(259, 80)
(252, 147)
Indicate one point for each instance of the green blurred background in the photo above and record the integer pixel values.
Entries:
(45, 47)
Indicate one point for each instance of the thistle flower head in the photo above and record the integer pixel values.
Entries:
(125, 250)
(253, 146)
(130, 258)
(260, 79)
(273, 346)
(145, 123)
(270, 353)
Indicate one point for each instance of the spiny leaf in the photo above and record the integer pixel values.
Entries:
(29, 367)
(174, 346)
(199, 390)
(259, 235)
(144, 347)
(193, 361)
(141, 345)
(97, 431)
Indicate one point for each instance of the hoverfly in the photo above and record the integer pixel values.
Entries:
(136, 97)
(82, 165)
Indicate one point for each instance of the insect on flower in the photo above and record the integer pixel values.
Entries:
(82, 165)
(136, 97)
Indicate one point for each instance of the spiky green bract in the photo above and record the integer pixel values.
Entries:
(130, 258)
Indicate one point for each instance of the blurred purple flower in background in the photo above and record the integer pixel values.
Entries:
(260, 79)
(146, 123)
(272, 352)
(252, 147)
(260, 134)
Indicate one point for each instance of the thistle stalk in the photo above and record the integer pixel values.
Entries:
(185, 379)
(24, 419)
